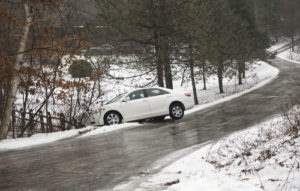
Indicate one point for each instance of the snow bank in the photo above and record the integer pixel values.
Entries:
(287, 55)
(107, 129)
(290, 56)
(43, 138)
(284, 42)
(263, 157)
(38, 139)
(261, 75)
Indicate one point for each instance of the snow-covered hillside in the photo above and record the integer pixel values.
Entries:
(263, 157)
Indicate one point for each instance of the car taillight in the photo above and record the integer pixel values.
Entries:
(188, 94)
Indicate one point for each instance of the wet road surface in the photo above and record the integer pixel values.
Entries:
(100, 162)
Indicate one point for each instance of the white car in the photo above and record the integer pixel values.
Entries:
(143, 104)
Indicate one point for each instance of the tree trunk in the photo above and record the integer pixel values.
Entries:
(15, 79)
(204, 76)
(163, 63)
(13, 122)
(243, 69)
(160, 74)
(42, 121)
(167, 65)
(220, 77)
(78, 100)
(49, 123)
(159, 63)
(183, 76)
(240, 72)
(293, 42)
(193, 74)
(168, 75)
(163, 42)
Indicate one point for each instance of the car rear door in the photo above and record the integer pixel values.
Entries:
(159, 101)
(136, 106)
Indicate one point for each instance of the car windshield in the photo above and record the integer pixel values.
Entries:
(117, 98)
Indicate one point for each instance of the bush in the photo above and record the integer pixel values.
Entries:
(80, 69)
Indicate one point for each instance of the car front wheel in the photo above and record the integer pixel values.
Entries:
(176, 111)
(112, 118)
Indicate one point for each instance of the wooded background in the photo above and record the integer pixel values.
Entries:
(210, 37)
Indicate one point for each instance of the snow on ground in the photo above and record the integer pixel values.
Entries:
(264, 157)
(43, 138)
(107, 129)
(261, 74)
(126, 75)
(38, 139)
(290, 56)
(287, 55)
(282, 42)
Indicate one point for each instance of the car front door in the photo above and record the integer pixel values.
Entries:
(136, 106)
(159, 101)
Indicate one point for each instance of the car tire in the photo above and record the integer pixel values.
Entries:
(112, 118)
(176, 111)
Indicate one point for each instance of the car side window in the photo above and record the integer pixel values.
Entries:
(156, 92)
(137, 95)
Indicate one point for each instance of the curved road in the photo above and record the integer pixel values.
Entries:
(100, 162)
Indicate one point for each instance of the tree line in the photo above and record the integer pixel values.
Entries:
(278, 18)
(212, 35)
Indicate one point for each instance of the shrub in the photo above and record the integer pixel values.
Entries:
(80, 69)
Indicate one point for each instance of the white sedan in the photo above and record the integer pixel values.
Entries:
(143, 104)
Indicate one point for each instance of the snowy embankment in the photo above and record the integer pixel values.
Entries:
(38, 139)
(290, 56)
(261, 74)
(44, 138)
(264, 157)
(287, 55)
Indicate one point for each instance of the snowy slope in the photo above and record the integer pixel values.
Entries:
(260, 158)
(290, 56)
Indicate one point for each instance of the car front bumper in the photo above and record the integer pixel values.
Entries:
(96, 119)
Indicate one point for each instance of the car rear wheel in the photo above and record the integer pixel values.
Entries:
(112, 118)
(176, 111)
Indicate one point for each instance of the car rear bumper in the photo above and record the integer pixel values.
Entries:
(188, 103)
